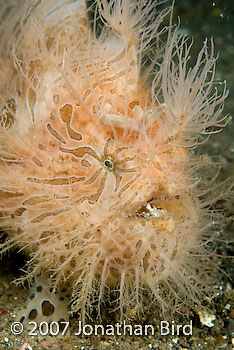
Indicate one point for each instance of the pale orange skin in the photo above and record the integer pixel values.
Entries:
(93, 203)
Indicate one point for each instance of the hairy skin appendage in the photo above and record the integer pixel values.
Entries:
(98, 184)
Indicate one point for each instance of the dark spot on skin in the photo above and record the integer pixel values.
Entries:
(47, 308)
(33, 314)
(31, 296)
(39, 289)
(61, 298)
(61, 324)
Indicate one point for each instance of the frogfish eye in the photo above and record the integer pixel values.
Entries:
(108, 163)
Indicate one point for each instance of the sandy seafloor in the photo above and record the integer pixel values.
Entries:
(200, 19)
